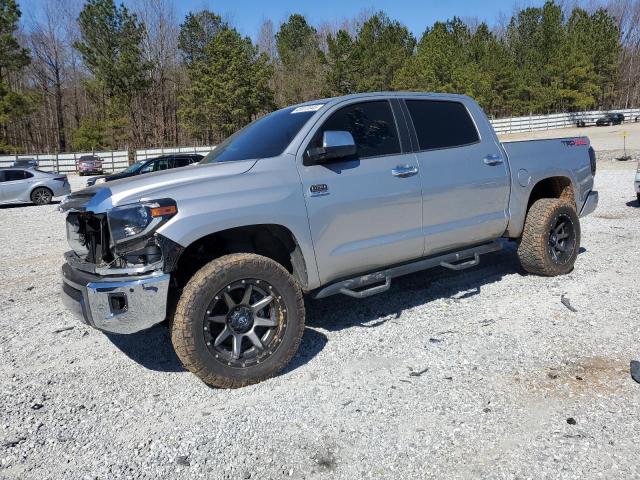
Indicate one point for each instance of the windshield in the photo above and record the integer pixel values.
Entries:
(266, 137)
(134, 168)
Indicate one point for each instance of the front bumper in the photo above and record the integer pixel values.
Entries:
(117, 305)
(590, 204)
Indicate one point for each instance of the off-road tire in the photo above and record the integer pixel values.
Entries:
(535, 251)
(188, 338)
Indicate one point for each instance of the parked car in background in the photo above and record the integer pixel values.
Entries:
(24, 185)
(637, 183)
(610, 119)
(89, 165)
(156, 164)
(585, 120)
(25, 163)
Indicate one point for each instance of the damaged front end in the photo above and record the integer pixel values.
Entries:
(117, 275)
(123, 240)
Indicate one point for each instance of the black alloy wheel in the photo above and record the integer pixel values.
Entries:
(562, 239)
(245, 323)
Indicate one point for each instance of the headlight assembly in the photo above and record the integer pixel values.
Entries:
(131, 226)
(100, 180)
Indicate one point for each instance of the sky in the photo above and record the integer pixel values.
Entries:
(248, 15)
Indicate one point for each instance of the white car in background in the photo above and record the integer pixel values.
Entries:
(28, 185)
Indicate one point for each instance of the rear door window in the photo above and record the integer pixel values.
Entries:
(442, 124)
(13, 175)
(181, 161)
(161, 164)
(372, 125)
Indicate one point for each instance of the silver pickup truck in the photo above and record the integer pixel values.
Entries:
(332, 196)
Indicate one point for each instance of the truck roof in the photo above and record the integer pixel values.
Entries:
(332, 100)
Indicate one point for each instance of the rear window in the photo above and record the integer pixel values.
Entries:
(441, 124)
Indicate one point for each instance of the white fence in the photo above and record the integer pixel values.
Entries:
(112, 161)
(556, 120)
(118, 160)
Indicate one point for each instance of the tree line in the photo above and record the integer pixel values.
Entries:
(106, 76)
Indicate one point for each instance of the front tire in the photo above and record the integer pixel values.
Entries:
(239, 321)
(550, 239)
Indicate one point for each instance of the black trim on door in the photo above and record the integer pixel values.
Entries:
(415, 146)
(401, 126)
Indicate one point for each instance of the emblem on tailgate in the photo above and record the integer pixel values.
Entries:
(574, 143)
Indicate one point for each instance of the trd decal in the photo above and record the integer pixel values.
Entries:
(574, 143)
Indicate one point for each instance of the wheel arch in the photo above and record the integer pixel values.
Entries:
(560, 187)
(273, 241)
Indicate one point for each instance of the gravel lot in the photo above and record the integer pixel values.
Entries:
(482, 374)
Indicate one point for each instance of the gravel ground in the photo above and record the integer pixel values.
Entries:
(481, 374)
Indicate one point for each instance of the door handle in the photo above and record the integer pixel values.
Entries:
(404, 171)
(493, 159)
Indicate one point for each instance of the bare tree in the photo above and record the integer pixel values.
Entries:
(267, 39)
(50, 51)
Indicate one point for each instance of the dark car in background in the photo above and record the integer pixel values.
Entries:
(156, 164)
(610, 119)
(25, 163)
(89, 165)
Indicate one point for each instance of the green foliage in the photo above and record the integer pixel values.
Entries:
(299, 73)
(110, 46)
(546, 59)
(90, 135)
(13, 58)
(229, 87)
(368, 62)
(340, 72)
(196, 32)
(543, 63)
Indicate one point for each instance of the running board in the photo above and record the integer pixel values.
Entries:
(381, 281)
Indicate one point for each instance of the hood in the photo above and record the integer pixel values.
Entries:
(100, 198)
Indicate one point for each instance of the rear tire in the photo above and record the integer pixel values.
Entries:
(239, 321)
(550, 239)
(41, 196)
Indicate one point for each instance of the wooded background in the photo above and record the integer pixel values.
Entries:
(98, 75)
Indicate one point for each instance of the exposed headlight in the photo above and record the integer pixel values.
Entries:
(99, 180)
(131, 226)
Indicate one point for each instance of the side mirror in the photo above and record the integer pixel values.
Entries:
(336, 145)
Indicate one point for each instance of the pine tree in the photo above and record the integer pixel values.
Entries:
(13, 58)
(228, 89)
(196, 32)
(110, 46)
(381, 48)
(300, 69)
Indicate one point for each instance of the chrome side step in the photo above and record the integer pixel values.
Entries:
(470, 257)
